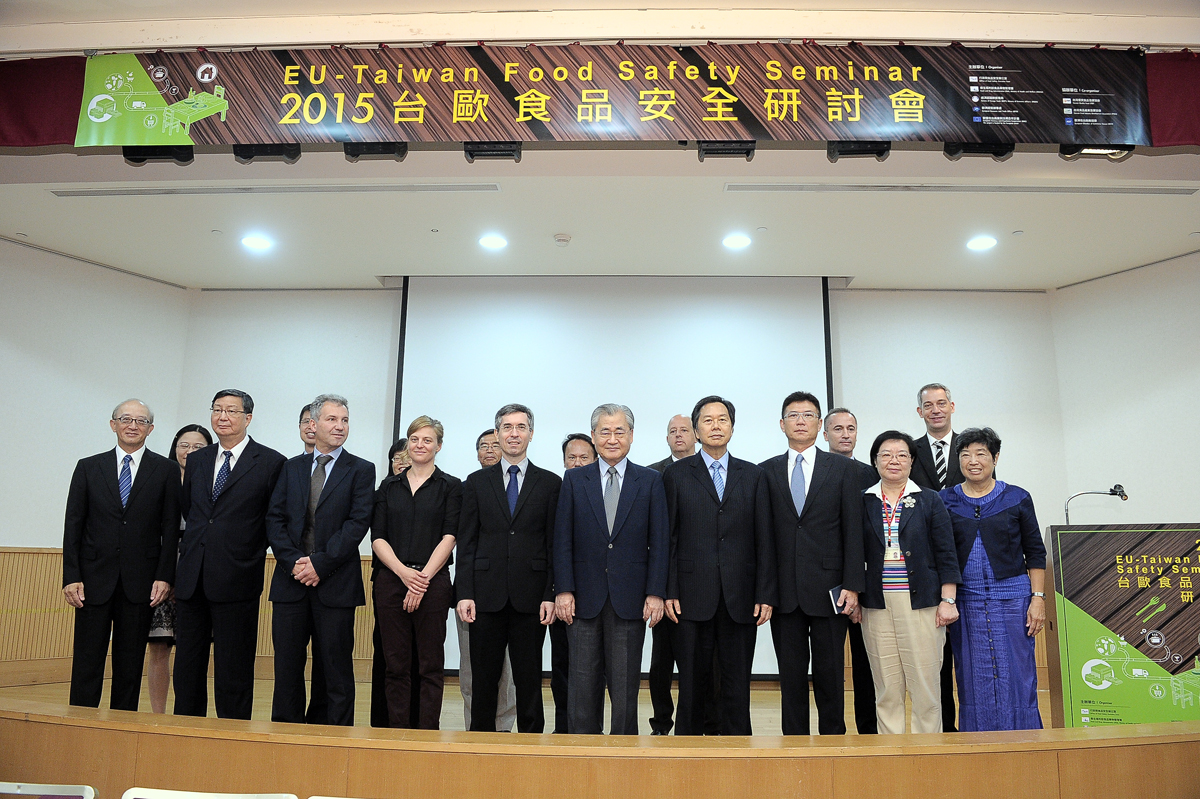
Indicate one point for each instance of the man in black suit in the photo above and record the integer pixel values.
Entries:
(505, 578)
(119, 544)
(611, 546)
(319, 514)
(219, 579)
(841, 433)
(681, 438)
(816, 507)
(722, 582)
(317, 697)
(935, 467)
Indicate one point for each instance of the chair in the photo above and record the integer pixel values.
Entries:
(159, 793)
(36, 789)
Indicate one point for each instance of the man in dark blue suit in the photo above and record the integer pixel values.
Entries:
(611, 546)
(319, 514)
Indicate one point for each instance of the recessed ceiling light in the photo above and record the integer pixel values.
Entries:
(22, 235)
(214, 230)
(736, 241)
(762, 230)
(1018, 232)
(981, 243)
(1193, 233)
(256, 242)
(433, 230)
(493, 241)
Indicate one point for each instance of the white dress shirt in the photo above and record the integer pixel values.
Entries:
(237, 451)
(946, 450)
(133, 464)
(523, 467)
(328, 466)
(620, 467)
(809, 456)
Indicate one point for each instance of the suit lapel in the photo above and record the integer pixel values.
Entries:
(244, 464)
(777, 471)
(496, 479)
(531, 477)
(907, 513)
(736, 467)
(339, 472)
(876, 514)
(144, 474)
(594, 488)
(705, 479)
(629, 491)
(109, 466)
(953, 470)
(821, 467)
(925, 456)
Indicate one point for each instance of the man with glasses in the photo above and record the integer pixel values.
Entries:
(611, 547)
(226, 490)
(504, 576)
(119, 541)
(816, 508)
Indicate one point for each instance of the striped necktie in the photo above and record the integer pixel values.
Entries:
(718, 481)
(125, 481)
(939, 462)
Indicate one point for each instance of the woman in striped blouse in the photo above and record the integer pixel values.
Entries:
(912, 578)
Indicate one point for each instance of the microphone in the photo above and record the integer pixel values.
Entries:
(1119, 491)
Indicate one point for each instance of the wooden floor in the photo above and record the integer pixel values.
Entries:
(764, 705)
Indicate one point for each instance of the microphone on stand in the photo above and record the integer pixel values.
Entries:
(1117, 490)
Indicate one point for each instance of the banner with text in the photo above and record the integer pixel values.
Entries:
(590, 93)
(1128, 625)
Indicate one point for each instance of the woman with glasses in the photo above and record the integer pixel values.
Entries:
(912, 577)
(1001, 604)
(412, 536)
(190, 438)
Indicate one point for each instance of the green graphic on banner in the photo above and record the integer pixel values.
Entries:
(1106, 680)
(124, 104)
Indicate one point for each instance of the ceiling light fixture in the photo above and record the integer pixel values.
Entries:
(139, 155)
(854, 149)
(980, 243)
(736, 241)
(256, 242)
(248, 153)
(725, 149)
(1113, 152)
(503, 150)
(956, 150)
(375, 150)
(493, 241)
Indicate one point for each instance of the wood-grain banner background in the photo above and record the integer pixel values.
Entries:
(589, 93)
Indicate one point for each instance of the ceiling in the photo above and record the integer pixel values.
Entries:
(901, 223)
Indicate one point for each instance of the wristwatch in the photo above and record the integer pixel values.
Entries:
(1039, 593)
(948, 600)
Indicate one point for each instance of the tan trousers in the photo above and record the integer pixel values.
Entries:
(905, 650)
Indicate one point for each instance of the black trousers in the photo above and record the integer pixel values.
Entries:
(662, 674)
(864, 684)
(523, 635)
(733, 644)
(420, 634)
(128, 623)
(560, 667)
(332, 634)
(949, 712)
(231, 629)
(796, 635)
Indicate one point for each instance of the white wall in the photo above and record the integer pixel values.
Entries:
(75, 340)
(1129, 377)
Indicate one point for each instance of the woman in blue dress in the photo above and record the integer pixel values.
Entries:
(1001, 602)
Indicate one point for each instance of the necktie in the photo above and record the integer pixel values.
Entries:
(718, 481)
(125, 481)
(308, 539)
(222, 476)
(939, 463)
(512, 489)
(798, 485)
(612, 494)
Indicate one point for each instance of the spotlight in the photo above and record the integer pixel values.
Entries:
(855, 149)
(247, 153)
(956, 150)
(980, 243)
(725, 149)
(1113, 152)
(375, 150)
(140, 155)
(736, 241)
(510, 150)
(256, 242)
(493, 241)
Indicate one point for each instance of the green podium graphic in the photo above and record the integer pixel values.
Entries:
(1126, 642)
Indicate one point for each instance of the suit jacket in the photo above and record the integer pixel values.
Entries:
(927, 541)
(343, 515)
(661, 466)
(104, 542)
(226, 541)
(868, 475)
(924, 472)
(821, 547)
(506, 558)
(625, 567)
(720, 546)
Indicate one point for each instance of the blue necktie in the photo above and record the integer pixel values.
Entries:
(798, 485)
(512, 489)
(125, 481)
(718, 481)
(222, 476)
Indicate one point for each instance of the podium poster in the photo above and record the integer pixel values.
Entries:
(1127, 626)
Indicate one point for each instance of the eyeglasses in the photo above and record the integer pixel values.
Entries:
(128, 420)
(520, 428)
(901, 457)
(230, 412)
(795, 416)
(489, 447)
(619, 433)
(183, 446)
(399, 457)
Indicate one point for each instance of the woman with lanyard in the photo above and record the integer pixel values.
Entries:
(912, 577)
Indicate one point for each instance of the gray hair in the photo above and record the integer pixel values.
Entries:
(612, 409)
(514, 407)
(931, 387)
(833, 411)
(149, 413)
(314, 409)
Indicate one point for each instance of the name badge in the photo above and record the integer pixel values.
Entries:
(891, 553)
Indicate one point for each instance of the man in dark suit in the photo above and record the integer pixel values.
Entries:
(320, 512)
(841, 433)
(611, 547)
(119, 544)
(578, 451)
(935, 467)
(505, 577)
(681, 438)
(219, 579)
(816, 507)
(316, 704)
(722, 581)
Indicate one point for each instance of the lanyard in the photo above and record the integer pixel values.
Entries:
(888, 519)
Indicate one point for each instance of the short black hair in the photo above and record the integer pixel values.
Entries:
(893, 435)
(579, 437)
(247, 400)
(188, 428)
(705, 401)
(306, 409)
(800, 396)
(488, 432)
(399, 446)
(978, 435)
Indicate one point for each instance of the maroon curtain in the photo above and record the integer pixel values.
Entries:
(1173, 87)
(40, 100)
